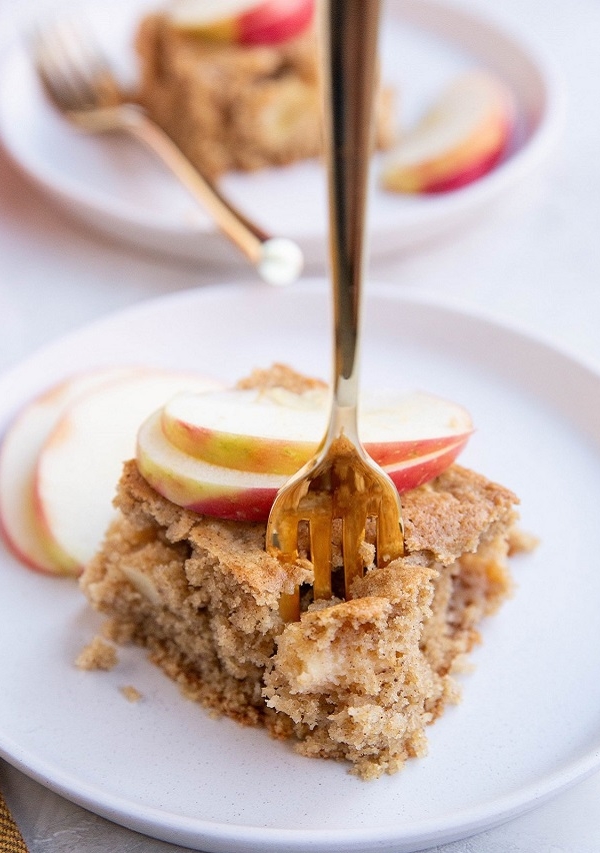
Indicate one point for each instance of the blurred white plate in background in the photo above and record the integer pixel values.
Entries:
(115, 186)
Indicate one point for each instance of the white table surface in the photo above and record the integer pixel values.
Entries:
(534, 257)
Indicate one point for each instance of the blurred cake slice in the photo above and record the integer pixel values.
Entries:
(232, 106)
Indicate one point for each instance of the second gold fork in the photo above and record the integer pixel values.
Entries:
(78, 80)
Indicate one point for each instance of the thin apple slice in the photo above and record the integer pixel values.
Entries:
(19, 452)
(275, 21)
(243, 21)
(276, 431)
(225, 492)
(462, 137)
(81, 459)
(414, 472)
(198, 486)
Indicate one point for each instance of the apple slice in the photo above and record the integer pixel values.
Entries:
(245, 22)
(19, 451)
(276, 431)
(225, 492)
(463, 136)
(196, 485)
(81, 459)
(417, 470)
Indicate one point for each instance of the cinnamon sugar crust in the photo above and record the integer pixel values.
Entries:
(357, 680)
(229, 106)
(280, 376)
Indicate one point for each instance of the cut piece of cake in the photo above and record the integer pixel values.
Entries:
(230, 106)
(358, 680)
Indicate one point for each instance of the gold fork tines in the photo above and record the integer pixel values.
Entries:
(343, 486)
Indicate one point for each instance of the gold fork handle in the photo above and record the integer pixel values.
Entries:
(349, 50)
(278, 259)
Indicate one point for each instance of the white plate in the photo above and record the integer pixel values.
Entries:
(113, 185)
(529, 722)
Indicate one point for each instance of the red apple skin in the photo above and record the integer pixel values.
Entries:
(100, 425)
(219, 440)
(411, 478)
(239, 452)
(467, 175)
(457, 168)
(391, 454)
(24, 536)
(255, 504)
(274, 21)
(41, 564)
(280, 457)
(251, 505)
(197, 485)
(466, 152)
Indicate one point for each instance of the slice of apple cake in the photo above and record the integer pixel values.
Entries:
(235, 106)
(357, 680)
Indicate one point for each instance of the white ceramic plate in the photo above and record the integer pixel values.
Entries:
(529, 722)
(113, 185)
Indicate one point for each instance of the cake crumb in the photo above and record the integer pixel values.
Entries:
(521, 542)
(131, 693)
(97, 655)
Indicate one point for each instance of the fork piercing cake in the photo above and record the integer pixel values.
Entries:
(232, 106)
(357, 680)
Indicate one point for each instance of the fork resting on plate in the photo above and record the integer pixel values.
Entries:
(79, 81)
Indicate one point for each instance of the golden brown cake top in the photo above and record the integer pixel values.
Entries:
(448, 515)
(239, 545)
(443, 519)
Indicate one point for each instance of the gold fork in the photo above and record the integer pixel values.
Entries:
(78, 80)
(341, 481)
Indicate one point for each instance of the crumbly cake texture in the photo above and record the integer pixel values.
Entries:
(358, 680)
(98, 654)
(131, 693)
(233, 107)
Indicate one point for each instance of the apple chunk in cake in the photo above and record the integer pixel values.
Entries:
(357, 680)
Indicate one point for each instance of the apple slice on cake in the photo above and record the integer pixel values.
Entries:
(226, 453)
(218, 451)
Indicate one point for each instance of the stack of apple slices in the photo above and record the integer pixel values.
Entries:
(62, 455)
(226, 453)
(215, 450)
